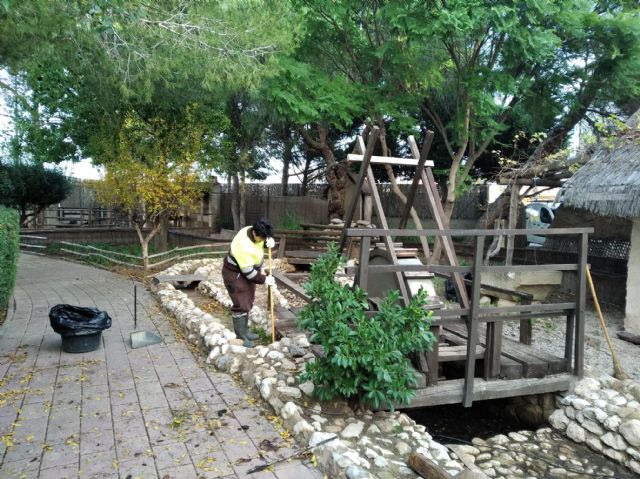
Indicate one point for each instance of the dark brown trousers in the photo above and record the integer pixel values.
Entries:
(241, 290)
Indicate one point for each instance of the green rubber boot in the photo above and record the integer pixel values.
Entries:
(240, 324)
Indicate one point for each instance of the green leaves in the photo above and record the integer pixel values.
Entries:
(365, 357)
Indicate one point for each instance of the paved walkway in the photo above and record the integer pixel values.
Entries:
(153, 412)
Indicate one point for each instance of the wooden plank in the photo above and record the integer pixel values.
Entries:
(403, 233)
(532, 366)
(291, 286)
(494, 350)
(580, 306)
(526, 327)
(282, 246)
(472, 325)
(485, 269)
(387, 160)
(457, 353)
(451, 392)
(509, 368)
(364, 168)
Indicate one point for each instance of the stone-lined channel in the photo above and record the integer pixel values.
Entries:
(503, 447)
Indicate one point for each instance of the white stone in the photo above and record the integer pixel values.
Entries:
(613, 454)
(630, 430)
(290, 410)
(380, 461)
(266, 387)
(373, 429)
(275, 355)
(593, 427)
(586, 387)
(595, 414)
(614, 440)
(307, 388)
(579, 403)
(576, 433)
(292, 392)
(370, 453)
(235, 349)
(612, 423)
(517, 437)
(304, 428)
(353, 430)
(594, 443)
(403, 448)
(570, 412)
(559, 419)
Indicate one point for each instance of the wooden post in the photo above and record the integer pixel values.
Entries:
(364, 168)
(432, 358)
(472, 324)
(526, 327)
(580, 305)
(568, 340)
(493, 350)
(363, 270)
(513, 220)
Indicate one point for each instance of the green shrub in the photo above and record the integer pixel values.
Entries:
(290, 221)
(366, 359)
(9, 248)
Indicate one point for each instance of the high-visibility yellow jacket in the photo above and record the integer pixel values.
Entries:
(247, 255)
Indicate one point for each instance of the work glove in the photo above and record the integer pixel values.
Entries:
(270, 242)
(270, 281)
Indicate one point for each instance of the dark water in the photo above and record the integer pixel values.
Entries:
(454, 424)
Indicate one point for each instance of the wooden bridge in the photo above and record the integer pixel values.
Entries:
(472, 359)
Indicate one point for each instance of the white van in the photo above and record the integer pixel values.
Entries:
(539, 216)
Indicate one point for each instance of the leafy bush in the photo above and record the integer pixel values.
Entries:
(290, 221)
(366, 359)
(9, 247)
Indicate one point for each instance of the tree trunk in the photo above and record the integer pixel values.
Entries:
(305, 176)
(243, 199)
(161, 240)
(235, 201)
(287, 157)
(336, 174)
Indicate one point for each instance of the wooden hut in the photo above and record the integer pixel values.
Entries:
(608, 185)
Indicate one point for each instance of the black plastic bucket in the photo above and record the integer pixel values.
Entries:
(81, 344)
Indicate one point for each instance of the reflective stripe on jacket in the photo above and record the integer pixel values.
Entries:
(247, 256)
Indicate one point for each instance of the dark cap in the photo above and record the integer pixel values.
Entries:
(263, 228)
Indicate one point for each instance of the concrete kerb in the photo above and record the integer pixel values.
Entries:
(366, 444)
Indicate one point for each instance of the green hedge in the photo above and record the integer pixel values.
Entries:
(9, 247)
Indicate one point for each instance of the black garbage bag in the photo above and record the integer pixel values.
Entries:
(68, 320)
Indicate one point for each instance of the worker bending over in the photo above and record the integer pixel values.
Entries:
(242, 270)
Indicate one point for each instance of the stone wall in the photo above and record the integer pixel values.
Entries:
(605, 415)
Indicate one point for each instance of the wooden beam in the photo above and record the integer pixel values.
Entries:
(451, 392)
(291, 286)
(512, 224)
(387, 160)
(403, 233)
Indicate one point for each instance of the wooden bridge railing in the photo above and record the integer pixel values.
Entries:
(494, 317)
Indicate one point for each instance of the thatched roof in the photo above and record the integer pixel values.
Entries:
(609, 183)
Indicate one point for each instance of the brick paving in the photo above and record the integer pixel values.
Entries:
(118, 412)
